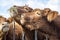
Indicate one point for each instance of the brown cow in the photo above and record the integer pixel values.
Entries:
(18, 10)
(42, 23)
(53, 21)
(30, 16)
(35, 20)
(19, 30)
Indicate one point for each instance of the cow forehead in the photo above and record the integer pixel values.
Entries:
(2, 19)
(4, 22)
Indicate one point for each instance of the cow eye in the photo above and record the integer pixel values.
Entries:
(13, 10)
(38, 13)
(26, 8)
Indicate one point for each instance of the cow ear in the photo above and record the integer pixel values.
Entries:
(46, 11)
(9, 20)
(52, 15)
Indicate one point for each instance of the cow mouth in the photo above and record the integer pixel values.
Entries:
(5, 28)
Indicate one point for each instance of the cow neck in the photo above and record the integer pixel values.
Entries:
(53, 25)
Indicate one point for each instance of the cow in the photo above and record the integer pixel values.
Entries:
(4, 27)
(20, 32)
(16, 11)
(41, 20)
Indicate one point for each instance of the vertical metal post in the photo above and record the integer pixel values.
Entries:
(47, 37)
(23, 36)
(13, 29)
(5, 37)
(35, 34)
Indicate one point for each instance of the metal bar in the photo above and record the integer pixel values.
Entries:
(5, 37)
(13, 29)
(35, 34)
(47, 37)
(23, 36)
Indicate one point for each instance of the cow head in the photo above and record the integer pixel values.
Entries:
(49, 14)
(3, 24)
(52, 16)
(29, 17)
(14, 10)
(36, 18)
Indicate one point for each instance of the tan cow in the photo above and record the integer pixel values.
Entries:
(18, 32)
(4, 27)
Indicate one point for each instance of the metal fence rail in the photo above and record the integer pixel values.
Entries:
(23, 34)
(35, 34)
(13, 29)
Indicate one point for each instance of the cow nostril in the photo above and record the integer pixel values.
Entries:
(2, 24)
(5, 29)
(27, 19)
